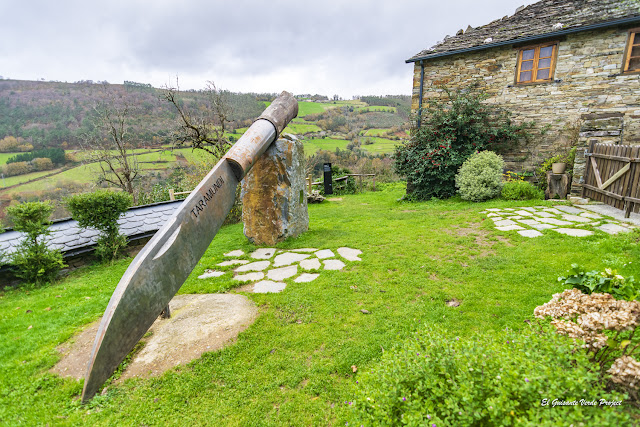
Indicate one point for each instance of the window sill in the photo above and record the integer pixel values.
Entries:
(535, 83)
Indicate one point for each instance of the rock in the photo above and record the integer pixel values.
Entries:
(263, 253)
(530, 233)
(306, 277)
(254, 266)
(249, 277)
(267, 286)
(310, 264)
(363, 311)
(274, 202)
(282, 273)
(350, 254)
(333, 264)
(233, 262)
(325, 253)
(288, 258)
(210, 273)
(315, 197)
(574, 232)
(237, 253)
(613, 228)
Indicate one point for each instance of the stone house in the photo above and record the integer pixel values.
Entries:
(572, 66)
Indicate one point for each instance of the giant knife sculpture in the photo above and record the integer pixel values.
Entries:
(156, 274)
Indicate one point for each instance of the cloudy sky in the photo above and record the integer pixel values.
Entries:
(344, 47)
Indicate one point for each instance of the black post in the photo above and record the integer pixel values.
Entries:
(328, 186)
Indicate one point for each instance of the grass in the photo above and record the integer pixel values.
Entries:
(6, 156)
(375, 132)
(293, 365)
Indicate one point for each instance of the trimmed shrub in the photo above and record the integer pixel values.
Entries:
(521, 190)
(451, 131)
(480, 177)
(33, 260)
(504, 378)
(101, 210)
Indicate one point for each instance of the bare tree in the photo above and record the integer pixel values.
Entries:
(202, 128)
(110, 145)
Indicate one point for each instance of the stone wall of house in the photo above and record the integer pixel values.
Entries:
(588, 81)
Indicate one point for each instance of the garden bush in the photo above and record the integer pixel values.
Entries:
(521, 190)
(34, 261)
(101, 210)
(505, 378)
(607, 281)
(607, 327)
(480, 177)
(450, 133)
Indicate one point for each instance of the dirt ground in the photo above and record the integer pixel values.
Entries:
(198, 324)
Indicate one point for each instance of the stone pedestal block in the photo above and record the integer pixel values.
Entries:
(274, 195)
(557, 185)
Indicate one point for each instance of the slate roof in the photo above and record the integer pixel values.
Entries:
(546, 18)
(69, 238)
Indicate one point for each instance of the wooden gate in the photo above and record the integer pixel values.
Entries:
(612, 175)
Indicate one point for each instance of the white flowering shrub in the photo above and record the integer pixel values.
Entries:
(502, 378)
(605, 325)
(480, 177)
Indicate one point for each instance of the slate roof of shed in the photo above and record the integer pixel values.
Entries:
(546, 18)
(69, 238)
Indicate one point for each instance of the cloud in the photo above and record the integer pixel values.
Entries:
(335, 46)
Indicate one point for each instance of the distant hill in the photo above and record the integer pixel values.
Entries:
(53, 114)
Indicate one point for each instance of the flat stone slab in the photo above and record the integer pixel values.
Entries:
(575, 232)
(198, 324)
(575, 218)
(267, 286)
(350, 254)
(543, 226)
(289, 258)
(613, 228)
(236, 253)
(496, 209)
(529, 209)
(552, 210)
(524, 213)
(249, 277)
(554, 221)
(506, 209)
(210, 273)
(569, 209)
(307, 250)
(254, 266)
(590, 215)
(325, 253)
(233, 262)
(333, 264)
(263, 253)
(529, 221)
(504, 223)
(530, 233)
(545, 214)
(491, 215)
(510, 228)
(282, 273)
(513, 217)
(310, 264)
(306, 278)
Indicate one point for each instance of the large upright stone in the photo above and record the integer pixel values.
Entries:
(274, 195)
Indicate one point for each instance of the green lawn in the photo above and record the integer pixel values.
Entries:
(375, 132)
(315, 144)
(293, 366)
(6, 156)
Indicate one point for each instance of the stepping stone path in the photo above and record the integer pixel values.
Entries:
(567, 220)
(266, 269)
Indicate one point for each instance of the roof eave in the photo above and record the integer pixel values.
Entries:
(599, 25)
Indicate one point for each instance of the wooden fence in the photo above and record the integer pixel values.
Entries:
(612, 176)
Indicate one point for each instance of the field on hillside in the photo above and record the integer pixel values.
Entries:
(306, 356)
(157, 160)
